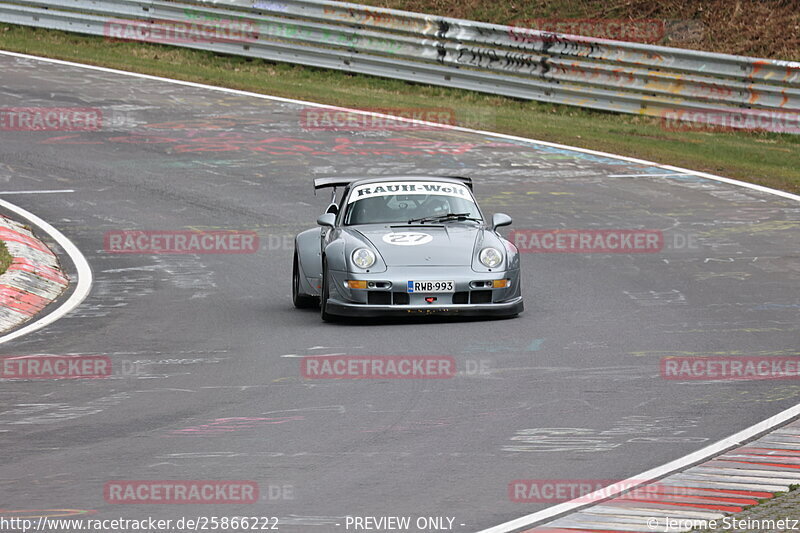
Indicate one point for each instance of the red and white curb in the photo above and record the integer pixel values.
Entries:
(33, 280)
(722, 486)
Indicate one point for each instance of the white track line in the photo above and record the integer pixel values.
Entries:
(662, 175)
(4, 193)
(573, 505)
(84, 274)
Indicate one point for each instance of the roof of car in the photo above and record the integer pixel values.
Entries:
(340, 181)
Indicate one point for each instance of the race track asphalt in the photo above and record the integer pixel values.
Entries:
(206, 347)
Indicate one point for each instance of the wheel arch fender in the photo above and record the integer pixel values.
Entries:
(309, 260)
(335, 255)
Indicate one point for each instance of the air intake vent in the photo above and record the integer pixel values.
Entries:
(400, 298)
(379, 298)
(461, 297)
(481, 297)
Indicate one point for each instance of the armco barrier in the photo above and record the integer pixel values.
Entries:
(671, 83)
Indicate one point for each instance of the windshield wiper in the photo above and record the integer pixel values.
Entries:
(443, 218)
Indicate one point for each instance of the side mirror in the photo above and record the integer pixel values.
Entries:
(500, 219)
(328, 219)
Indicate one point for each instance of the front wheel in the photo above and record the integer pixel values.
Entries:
(300, 301)
(325, 293)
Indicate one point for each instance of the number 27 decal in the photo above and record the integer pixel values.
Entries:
(407, 238)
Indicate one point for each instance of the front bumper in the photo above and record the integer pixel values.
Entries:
(511, 308)
(389, 296)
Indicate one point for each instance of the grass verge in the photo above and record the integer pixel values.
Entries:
(5, 258)
(765, 158)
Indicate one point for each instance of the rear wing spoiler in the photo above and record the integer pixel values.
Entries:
(341, 181)
(323, 183)
(467, 181)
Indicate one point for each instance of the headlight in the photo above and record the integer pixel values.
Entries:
(490, 257)
(363, 258)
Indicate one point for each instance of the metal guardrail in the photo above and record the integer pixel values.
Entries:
(672, 83)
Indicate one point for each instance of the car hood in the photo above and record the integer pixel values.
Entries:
(449, 244)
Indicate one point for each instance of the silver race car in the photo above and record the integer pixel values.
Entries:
(406, 245)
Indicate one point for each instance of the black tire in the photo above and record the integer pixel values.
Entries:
(300, 301)
(325, 293)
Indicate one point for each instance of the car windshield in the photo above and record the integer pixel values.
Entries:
(407, 202)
